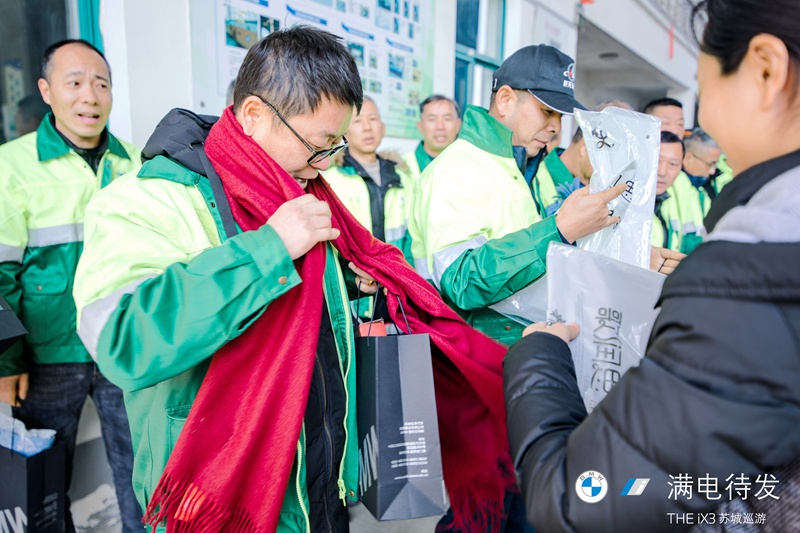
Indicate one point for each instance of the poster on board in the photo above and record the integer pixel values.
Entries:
(388, 40)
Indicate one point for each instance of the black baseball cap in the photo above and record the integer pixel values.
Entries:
(546, 72)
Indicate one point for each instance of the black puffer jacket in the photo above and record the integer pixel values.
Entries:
(717, 394)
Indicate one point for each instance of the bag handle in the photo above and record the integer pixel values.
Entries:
(224, 208)
(375, 305)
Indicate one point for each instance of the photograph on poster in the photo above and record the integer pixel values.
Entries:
(268, 25)
(357, 50)
(388, 40)
(241, 28)
(397, 65)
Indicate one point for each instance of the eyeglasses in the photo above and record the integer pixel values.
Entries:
(316, 155)
(711, 164)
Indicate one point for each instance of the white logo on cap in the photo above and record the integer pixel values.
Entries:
(569, 74)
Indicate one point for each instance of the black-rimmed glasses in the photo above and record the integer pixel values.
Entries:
(316, 155)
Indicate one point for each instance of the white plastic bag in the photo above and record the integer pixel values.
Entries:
(623, 147)
(613, 303)
(27, 442)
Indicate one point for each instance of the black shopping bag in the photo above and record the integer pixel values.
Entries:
(400, 462)
(10, 327)
(32, 491)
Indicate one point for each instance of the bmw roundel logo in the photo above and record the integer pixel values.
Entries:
(591, 486)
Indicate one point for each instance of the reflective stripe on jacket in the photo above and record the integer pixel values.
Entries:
(45, 187)
(474, 226)
(156, 308)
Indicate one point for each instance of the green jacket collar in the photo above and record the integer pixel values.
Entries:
(423, 159)
(559, 173)
(486, 132)
(50, 145)
(168, 169)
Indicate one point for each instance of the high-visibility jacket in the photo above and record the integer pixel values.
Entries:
(725, 176)
(383, 209)
(666, 232)
(156, 261)
(416, 162)
(476, 233)
(693, 204)
(44, 189)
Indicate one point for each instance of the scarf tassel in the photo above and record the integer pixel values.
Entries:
(194, 511)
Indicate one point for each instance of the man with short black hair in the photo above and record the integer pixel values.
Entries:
(670, 111)
(213, 291)
(666, 231)
(47, 179)
(439, 123)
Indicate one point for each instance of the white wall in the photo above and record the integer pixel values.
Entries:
(641, 27)
(147, 44)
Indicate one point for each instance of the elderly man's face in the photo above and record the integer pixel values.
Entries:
(439, 125)
(701, 160)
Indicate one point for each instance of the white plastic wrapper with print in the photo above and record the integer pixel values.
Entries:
(623, 147)
(613, 303)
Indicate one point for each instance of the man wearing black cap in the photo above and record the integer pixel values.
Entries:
(475, 229)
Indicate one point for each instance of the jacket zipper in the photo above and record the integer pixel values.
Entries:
(345, 372)
(297, 480)
(329, 440)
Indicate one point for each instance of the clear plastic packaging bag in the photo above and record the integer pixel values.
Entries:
(623, 147)
(27, 442)
(613, 303)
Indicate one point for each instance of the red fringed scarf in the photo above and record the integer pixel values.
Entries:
(231, 464)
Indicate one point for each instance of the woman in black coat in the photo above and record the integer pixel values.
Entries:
(712, 415)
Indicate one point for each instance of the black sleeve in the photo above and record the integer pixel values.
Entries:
(706, 401)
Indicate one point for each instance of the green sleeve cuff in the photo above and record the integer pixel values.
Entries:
(543, 233)
(270, 256)
(12, 361)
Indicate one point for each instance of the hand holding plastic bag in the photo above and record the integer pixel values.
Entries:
(623, 147)
(613, 303)
(27, 442)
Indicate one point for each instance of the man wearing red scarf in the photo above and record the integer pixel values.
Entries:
(220, 308)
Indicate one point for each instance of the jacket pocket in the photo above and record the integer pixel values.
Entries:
(48, 310)
(176, 419)
(49, 284)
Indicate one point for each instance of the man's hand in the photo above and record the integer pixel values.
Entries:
(13, 389)
(565, 332)
(582, 213)
(364, 281)
(303, 222)
(664, 260)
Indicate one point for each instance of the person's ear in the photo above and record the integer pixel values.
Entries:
(44, 89)
(504, 100)
(419, 127)
(250, 113)
(767, 61)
